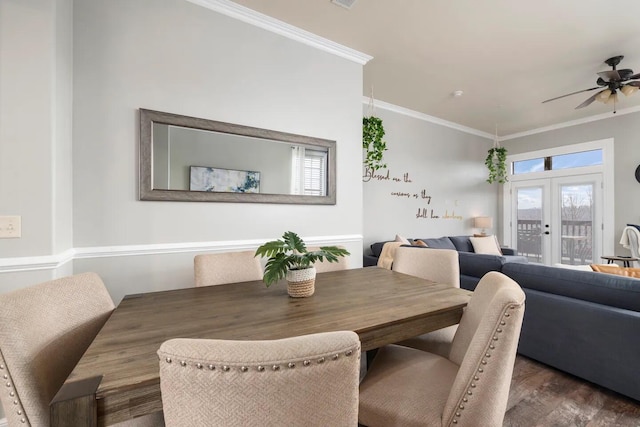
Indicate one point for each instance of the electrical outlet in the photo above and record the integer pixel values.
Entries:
(10, 227)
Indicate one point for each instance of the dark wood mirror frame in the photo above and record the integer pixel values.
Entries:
(147, 192)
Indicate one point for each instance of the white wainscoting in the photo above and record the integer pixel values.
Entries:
(51, 262)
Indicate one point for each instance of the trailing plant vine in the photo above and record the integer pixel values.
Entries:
(496, 162)
(372, 142)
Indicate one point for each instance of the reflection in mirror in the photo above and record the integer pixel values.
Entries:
(188, 159)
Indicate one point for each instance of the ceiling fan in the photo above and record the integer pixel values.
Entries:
(611, 82)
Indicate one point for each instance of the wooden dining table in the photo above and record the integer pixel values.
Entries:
(118, 377)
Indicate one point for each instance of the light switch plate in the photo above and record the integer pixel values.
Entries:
(10, 227)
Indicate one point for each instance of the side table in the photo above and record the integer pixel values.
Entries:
(626, 260)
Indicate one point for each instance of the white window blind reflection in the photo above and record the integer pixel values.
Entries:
(309, 172)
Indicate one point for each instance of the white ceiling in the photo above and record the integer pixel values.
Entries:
(506, 55)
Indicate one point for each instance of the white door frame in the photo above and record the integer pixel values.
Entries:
(606, 169)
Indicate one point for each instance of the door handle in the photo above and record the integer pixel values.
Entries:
(546, 232)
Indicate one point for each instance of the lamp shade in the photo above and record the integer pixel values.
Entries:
(483, 222)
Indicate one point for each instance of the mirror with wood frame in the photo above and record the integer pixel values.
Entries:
(190, 159)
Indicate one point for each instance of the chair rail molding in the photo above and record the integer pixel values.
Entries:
(51, 262)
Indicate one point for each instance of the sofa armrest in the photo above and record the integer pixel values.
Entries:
(508, 251)
(369, 261)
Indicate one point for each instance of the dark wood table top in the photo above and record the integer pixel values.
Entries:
(382, 306)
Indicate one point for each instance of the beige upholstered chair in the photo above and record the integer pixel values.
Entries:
(226, 267)
(324, 266)
(438, 265)
(44, 330)
(408, 387)
(309, 380)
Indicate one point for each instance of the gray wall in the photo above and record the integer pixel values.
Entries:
(447, 164)
(75, 182)
(625, 130)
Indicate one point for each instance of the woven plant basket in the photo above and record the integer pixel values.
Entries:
(301, 283)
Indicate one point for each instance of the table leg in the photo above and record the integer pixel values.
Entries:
(75, 404)
(371, 354)
(625, 263)
(609, 261)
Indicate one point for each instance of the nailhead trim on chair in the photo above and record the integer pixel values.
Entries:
(6, 377)
(261, 368)
(484, 361)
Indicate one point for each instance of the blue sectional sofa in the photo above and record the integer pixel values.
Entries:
(581, 322)
(472, 265)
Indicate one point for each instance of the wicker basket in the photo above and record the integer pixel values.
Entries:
(301, 283)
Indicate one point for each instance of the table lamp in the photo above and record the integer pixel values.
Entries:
(483, 222)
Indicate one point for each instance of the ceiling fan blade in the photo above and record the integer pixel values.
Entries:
(635, 76)
(573, 93)
(609, 75)
(589, 100)
(636, 84)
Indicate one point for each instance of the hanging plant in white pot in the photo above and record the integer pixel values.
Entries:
(496, 162)
(372, 142)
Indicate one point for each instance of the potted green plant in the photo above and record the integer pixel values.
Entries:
(496, 162)
(372, 142)
(288, 258)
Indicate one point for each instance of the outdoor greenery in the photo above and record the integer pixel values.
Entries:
(290, 253)
(496, 162)
(372, 142)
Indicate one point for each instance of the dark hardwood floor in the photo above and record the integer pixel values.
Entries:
(543, 396)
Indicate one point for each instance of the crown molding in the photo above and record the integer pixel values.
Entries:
(273, 25)
(51, 262)
(425, 117)
(576, 122)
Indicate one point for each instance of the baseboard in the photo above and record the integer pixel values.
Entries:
(11, 265)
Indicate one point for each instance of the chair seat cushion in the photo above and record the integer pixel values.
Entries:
(399, 368)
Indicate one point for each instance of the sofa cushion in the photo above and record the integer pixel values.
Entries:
(440, 243)
(478, 265)
(607, 289)
(462, 243)
(376, 248)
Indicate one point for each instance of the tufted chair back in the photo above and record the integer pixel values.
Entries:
(485, 347)
(44, 330)
(226, 267)
(438, 265)
(407, 387)
(309, 380)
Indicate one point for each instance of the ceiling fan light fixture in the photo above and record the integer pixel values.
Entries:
(628, 90)
(604, 96)
(613, 98)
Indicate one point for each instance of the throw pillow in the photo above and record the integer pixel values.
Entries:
(402, 239)
(486, 245)
(420, 243)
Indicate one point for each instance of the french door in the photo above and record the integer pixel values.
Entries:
(558, 220)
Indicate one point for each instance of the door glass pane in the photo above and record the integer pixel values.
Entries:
(577, 224)
(529, 223)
